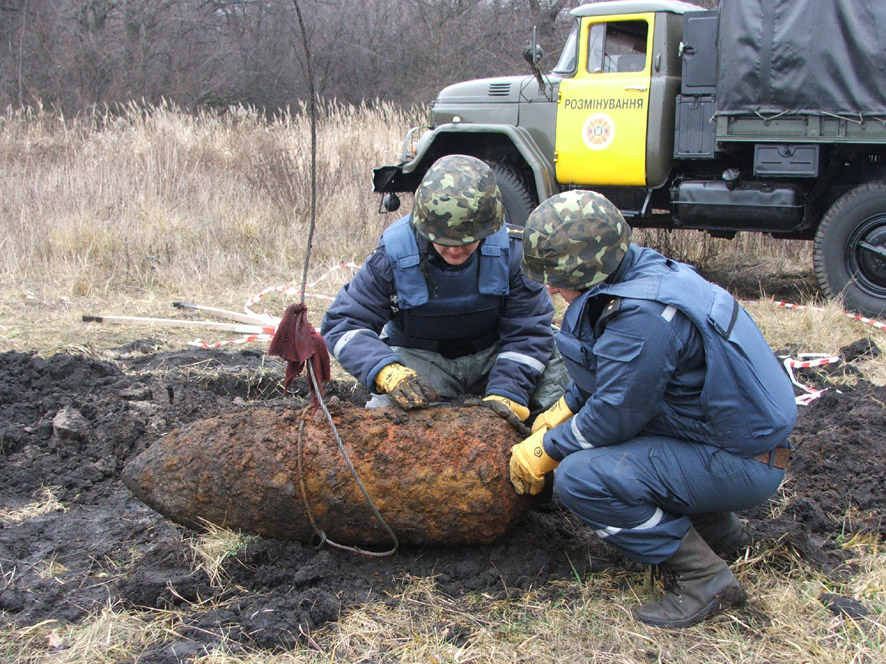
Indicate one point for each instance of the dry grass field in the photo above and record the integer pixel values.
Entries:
(125, 212)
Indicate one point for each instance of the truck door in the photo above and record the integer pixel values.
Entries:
(602, 110)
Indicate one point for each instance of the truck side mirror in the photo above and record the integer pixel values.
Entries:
(533, 52)
(390, 202)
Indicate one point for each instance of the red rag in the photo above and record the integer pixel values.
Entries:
(296, 341)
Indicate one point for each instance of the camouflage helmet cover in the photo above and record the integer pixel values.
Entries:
(574, 240)
(458, 202)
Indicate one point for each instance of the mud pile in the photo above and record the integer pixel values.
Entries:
(69, 424)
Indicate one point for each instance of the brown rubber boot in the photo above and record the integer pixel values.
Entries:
(722, 531)
(697, 584)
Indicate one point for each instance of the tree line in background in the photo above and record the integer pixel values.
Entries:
(73, 54)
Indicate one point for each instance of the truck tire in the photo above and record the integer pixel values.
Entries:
(515, 194)
(849, 254)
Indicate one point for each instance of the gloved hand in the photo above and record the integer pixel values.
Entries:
(405, 386)
(553, 416)
(518, 409)
(510, 410)
(529, 463)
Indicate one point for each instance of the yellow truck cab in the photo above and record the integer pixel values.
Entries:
(604, 128)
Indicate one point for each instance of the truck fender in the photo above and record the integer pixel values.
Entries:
(438, 142)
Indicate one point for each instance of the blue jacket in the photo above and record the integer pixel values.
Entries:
(657, 350)
(420, 301)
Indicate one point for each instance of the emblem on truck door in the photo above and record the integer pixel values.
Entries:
(598, 131)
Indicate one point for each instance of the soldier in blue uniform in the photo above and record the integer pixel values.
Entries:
(441, 309)
(678, 412)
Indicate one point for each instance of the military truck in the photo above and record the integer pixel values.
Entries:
(762, 115)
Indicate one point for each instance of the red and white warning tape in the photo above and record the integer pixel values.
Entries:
(807, 364)
(264, 338)
(815, 360)
(260, 327)
(819, 359)
(255, 327)
(286, 290)
(867, 321)
(267, 318)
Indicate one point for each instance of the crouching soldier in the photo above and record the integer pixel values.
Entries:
(678, 412)
(441, 309)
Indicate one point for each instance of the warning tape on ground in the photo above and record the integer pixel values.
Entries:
(818, 359)
(808, 364)
(269, 326)
(812, 360)
(253, 338)
(867, 321)
(266, 317)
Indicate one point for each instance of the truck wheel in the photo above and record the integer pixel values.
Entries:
(515, 195)
(850, 249)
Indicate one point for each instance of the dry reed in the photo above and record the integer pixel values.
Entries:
(154, 200)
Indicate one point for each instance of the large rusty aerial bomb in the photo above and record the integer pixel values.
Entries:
(437, 475)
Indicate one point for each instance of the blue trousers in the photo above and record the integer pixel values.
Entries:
(636, 495)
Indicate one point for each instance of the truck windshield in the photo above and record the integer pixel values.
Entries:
(569, 55)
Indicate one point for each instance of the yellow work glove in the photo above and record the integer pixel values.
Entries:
(405, 386)
(518, 409)
(553, 416)
(529, 463)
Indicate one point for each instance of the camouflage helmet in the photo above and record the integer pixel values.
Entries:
(458, 202)
(574, 240)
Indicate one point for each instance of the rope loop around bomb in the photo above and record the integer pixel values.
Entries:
(324, 538)
(310, 370)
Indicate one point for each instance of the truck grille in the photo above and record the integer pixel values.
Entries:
(499, 89)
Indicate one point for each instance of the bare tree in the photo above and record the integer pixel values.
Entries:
(75, 53)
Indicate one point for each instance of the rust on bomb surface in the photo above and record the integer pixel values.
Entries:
(437, 476)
